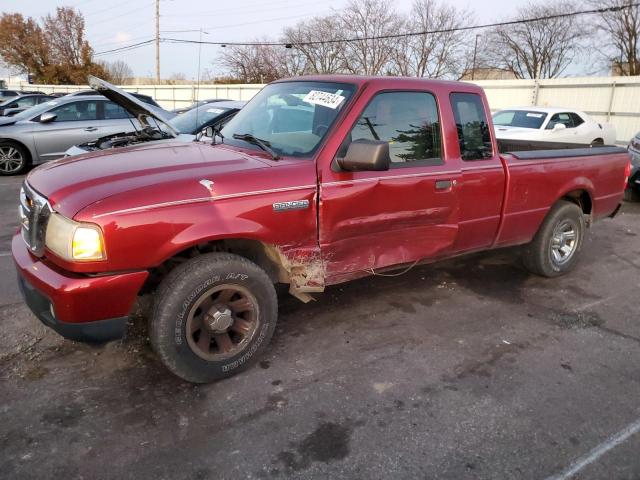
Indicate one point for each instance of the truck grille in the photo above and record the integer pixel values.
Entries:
(34, 216)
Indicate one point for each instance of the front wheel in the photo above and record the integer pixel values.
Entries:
(14, 159)
(555, 248)
(213, 317)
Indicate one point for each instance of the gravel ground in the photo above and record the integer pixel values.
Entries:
(468, 369)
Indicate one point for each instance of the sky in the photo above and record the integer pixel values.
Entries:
(114, 23)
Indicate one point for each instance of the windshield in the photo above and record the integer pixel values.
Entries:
(293, 117)
(519, 118)
(34, 111)
(194, 120)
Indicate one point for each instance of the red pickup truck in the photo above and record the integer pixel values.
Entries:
(317, 181)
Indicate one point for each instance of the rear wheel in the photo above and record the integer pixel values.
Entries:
(213, 317)
(598, 142)
(14, 158)
(554, 250)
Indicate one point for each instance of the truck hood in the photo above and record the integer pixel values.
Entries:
(72, 184)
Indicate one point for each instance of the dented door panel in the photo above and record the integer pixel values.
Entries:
(374, 222)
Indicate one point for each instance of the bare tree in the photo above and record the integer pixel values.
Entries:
(320, 58)
(542, 48)
(433, 55)
(260, 63)
(365, 19)
(118, 71)
(620, 29)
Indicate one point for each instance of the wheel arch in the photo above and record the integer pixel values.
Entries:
(581, 197)
(22, 145)
(301, 268)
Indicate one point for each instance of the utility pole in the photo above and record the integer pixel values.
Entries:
(158, 42)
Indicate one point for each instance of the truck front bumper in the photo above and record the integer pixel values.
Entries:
(78, 307)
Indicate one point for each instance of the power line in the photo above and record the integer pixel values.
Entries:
(390, 36)
(245, 9)
(126, 47)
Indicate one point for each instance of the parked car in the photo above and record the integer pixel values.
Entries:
(181, 110)
(8, 94)
(552, 125)
(383, 174)
(632, 193)
(183, 128)
(44, 132)
(21, 103)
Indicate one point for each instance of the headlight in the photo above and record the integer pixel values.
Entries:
(73, 240)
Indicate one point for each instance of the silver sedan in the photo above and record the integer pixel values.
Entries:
(44, 132)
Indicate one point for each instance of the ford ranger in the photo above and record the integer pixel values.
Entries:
(317, 181)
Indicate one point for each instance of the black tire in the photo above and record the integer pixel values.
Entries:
(14, 158)
(544, 255)
(632, 194)
(178, 300)
(598, 142)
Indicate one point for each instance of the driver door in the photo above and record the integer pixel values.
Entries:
(375, 219)
(569, 134)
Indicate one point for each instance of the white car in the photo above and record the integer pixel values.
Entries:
(553, 125)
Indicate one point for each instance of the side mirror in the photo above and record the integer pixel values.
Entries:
(47, 117)
(366, 155)
(208, 132)
(559, 126)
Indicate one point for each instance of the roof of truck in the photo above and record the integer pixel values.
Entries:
(360, 80)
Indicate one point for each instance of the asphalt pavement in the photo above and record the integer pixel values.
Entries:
(468, 369)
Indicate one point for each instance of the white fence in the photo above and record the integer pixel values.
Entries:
(168, 96)
(607, 99)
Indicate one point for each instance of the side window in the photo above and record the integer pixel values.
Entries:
(26, 102)
(409, 121)
(563, 118)
(76, 111)
(474, 137)
(113, 111)
(576, 119)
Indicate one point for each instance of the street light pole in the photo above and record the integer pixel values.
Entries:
(475, 53)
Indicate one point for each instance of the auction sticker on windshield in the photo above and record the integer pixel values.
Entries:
(215, 110)
(324, 99)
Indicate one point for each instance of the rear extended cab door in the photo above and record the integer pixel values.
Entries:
(370, 220)
(482, 186)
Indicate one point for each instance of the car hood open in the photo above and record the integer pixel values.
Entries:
(131, 104)
(155, 172)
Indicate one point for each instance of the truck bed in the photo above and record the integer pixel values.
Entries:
(537, 179)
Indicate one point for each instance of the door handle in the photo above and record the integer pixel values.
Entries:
(445, 184)
(91, 129)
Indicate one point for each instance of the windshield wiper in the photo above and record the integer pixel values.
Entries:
(263, 144)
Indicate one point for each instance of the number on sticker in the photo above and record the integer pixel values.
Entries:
(324, 99)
